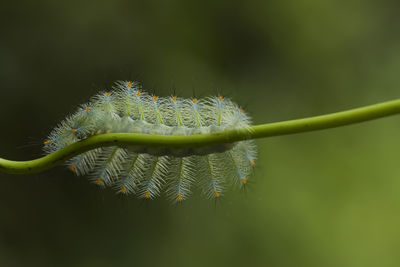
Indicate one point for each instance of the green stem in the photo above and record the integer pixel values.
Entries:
(202, 140)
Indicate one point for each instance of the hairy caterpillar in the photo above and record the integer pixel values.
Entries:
(147, 171)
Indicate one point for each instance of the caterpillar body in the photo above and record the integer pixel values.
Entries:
(146, 172)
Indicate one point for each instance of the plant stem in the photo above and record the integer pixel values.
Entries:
(203, 140)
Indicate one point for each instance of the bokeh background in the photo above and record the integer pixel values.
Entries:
(329, 198)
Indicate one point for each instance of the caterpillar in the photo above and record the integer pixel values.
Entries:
(147, 171)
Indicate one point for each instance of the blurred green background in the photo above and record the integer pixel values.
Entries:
(329, 198)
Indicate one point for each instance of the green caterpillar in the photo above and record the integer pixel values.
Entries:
(146, 171)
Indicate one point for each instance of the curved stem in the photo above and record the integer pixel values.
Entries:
(203, 140)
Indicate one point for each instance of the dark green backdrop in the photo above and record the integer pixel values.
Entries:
(329, 198)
